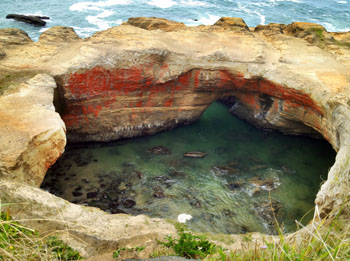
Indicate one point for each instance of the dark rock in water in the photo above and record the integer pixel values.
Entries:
(244, 230)
(117, 211)
(85, 181)
(129, 203)
(264, 183)
(78, 188)
(235, 185)
(42, 17)
(233, 164)
(92, 194)
(177, 174)
(269, 212)
(195, 154)
(223, 170)
(228, 213)
(29, 19)
(158, 192)
(195, 203)
(159, 150)
(139, 174)
(113, 205)
(77, 194)
(105, 196)
(164, 180)
(256, 167)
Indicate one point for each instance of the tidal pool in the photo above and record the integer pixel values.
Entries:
(247, 179)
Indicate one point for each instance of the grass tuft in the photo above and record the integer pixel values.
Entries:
(19, 243)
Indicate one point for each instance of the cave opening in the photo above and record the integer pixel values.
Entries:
(245, 178)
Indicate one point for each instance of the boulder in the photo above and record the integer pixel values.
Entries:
(59, 34)
(29, 19)
(302, 29)
(13, 37)
(231, 23)
(270, 29)
(32, 133)
(154, 23)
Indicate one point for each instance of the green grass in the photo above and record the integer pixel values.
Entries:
(137, 249)
(329, 240)
(18, 242)
(189, 245)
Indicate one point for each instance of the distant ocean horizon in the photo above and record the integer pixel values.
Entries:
(88, 17)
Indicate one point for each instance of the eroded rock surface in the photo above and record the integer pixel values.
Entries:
(32, 133)
(87, 229)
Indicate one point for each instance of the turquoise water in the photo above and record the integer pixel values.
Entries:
(227, 191)
(88, 17)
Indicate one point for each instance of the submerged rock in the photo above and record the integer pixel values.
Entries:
(195, 154)
(129, 203)
(92, 194)
(159, 150)
(270, 212)
(262, 183)
(158, 192)
(223, 170)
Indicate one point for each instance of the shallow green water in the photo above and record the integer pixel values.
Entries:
(226, 192)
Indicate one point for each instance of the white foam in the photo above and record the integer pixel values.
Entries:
(162, 3)
(294, 1)
(43, 30)
(209, 20)
(98, 20)
(193, 3)
(341, 2)
(96, 6)
(262, 17)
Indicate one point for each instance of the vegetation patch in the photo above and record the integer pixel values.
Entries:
(189, 245)
(8, 79)
(18, 242)
(137, 249)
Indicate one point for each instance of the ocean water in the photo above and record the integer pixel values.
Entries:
(87, 17)
(228, 191)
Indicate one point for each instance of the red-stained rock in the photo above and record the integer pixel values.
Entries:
(139, 104)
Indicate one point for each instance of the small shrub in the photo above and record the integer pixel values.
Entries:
(189, 245)
(61, 250)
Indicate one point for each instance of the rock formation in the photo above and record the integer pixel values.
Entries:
(32, 133)
(150, 74)
(29, 19)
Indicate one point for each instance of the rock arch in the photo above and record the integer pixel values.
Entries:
(128, 81)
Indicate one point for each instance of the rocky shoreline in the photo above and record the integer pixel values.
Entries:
(149, 75)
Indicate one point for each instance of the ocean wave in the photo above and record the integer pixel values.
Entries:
(194, 3)
(162, 3)
(98, 19)
(96, 6)
(252, 12)
(209, 20)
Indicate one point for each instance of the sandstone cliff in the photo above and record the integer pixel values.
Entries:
(149, 75)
